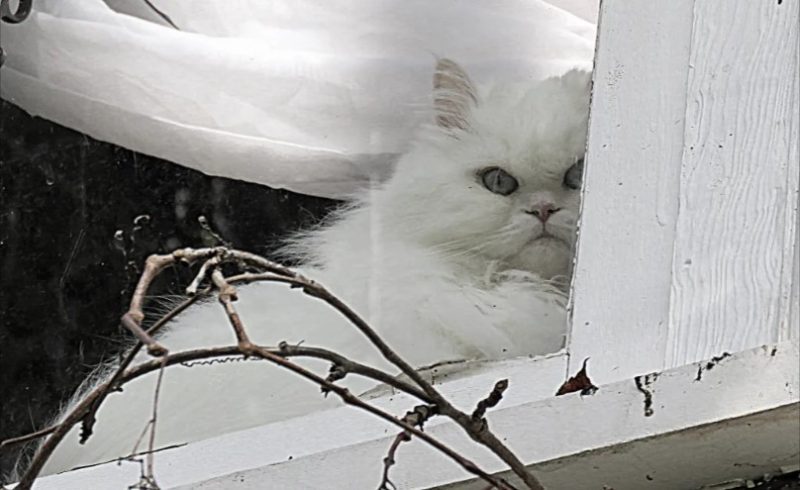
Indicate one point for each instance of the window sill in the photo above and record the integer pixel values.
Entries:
(713, 420)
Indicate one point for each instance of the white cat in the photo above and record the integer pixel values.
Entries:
(457, 256)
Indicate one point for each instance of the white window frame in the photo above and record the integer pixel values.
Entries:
(691, 330)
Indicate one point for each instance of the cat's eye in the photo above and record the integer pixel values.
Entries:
(573, 176)
(498, 181)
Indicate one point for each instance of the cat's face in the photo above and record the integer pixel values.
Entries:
(498, 176)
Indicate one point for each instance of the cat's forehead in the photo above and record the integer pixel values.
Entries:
(534, 168)
(535, 130)
(532, 148)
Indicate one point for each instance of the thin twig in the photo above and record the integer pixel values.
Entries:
(86, 410)
(271, 271)
(227, 295)
(415, 418)
(478, 433)
(13, 441)
(192, 288)
(88, 421)
(344, 393)
(346, 366)
(153, 347)
(316, 290)
(389, 461)
(206, 226)
(89, 404)
(150, 475)
(490, 401)
(249, 349)
(135, 449)
(351, 399)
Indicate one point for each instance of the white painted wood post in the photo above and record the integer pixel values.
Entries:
(628, 209)
(687, 237)
(732, 261)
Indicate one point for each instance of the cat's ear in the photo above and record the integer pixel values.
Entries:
(454, 96)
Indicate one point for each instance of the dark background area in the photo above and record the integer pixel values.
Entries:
(78, 217)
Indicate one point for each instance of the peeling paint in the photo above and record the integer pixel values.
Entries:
(715, 360)
(580, 382)
(642, 384)
(709, 365)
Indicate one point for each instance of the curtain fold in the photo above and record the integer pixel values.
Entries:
(315, 96)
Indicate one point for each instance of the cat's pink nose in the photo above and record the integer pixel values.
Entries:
(543, 211)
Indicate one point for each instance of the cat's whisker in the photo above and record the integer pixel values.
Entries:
(455, 251)
(507, 231)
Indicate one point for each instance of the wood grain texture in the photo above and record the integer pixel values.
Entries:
(621, 287)
(791, 328)
(689, 228)
(734, 237)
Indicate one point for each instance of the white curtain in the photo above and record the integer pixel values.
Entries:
(317, 96)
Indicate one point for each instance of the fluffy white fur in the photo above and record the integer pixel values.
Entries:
(439, 265)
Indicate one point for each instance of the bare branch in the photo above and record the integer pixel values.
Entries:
(415, 418)
(153, 347)
(85, 411)
(88, 406)
(13, 441)
(149, 475)
(88, 421)
(316, 290)
(267, 270)
(192, 288)
(227, 295)
(351, 399)
(346, 366)
(249, 349)
(490, 401)
(483, 436)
